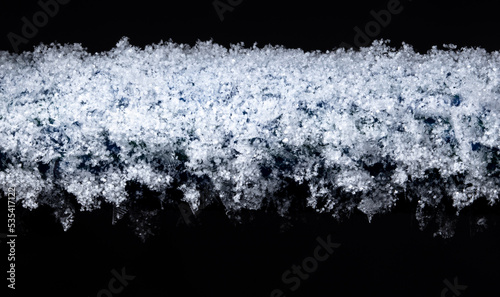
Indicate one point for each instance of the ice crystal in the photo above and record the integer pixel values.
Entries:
(365, 125)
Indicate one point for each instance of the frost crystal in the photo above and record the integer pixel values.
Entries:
(357, 128)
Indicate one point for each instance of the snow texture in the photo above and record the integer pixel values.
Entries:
(358, 129)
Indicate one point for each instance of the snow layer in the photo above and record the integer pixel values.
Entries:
(359, 129)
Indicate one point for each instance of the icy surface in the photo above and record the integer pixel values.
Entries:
(358, 129)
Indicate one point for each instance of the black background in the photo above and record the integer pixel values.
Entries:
(389, 257)
(310, 25)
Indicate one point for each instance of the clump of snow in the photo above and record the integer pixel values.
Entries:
(368, 125)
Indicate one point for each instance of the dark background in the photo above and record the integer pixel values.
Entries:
(310, 25)
(389, 257)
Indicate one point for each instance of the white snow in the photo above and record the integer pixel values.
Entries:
(248, 120)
